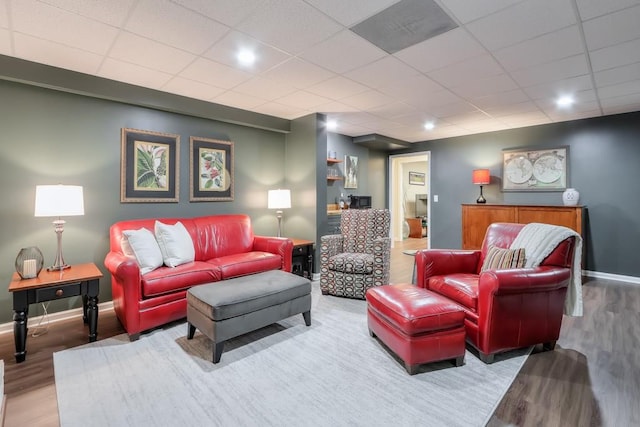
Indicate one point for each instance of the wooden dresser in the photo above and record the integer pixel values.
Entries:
(476, 219)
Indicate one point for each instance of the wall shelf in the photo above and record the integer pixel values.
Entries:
(334, 178)
(332, 161)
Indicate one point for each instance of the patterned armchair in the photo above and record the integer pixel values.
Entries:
(359, 257)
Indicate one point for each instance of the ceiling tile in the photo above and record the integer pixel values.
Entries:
(55, 54)
(50, 23)
(484, 86)
(352, 11)
(335, 108)
(612, 29)
(112, 12)
(620, 89)
(174, 25)
(526, 119)
(343, 52)
(467, 11)
(367, 100)
(455, 109)
(303, 100)
(570, 67)
(134, 74)
(227, 12)
(434, 100)
(615, 56)
(148, 53)
(298, 73)
(511, 109)
(500, 99)
(213, 73)
(438, 52)
(239, 100)
(337, 88)
(4, 16)
(554, 89)
(393, 110)
(290, 25)
(279, 110)
(617, 75)
(264, 89)
(410, 87)
(382, 72)
(192, 89)
(523, 21)
(621, 104)
(565, 42)
(461, 73)
(358, 118)
(5, 43)
(225, 51)
(592, 8)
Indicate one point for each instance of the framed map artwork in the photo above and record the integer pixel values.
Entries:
(535, 170)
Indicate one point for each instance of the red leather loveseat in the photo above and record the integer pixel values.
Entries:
(225, 247)
(504, 308)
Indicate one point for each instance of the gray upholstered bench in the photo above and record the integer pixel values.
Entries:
(232, 307)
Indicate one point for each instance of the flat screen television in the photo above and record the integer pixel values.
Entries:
(421, 205)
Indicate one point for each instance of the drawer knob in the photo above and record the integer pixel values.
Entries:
(59, 292)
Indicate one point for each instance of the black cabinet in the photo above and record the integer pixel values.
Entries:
(302, 258)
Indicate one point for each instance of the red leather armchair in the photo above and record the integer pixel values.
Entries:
(504, 309)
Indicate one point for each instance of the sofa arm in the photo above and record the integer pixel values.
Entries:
(438, 262)
(126, 289)
(276, 245)
(522, 280)
(330, 245)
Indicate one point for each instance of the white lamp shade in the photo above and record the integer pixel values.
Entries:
(279, 199)
(59, 200)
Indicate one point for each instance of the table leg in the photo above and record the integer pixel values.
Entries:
(85, 319)
(92, 315)
(20, 334)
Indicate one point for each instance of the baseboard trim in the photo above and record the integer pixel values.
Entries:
(56, 317)
(610, 276)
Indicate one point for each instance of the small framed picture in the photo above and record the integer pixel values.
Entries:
(350, 171)
(211, 175)
(417, 178)
(149, 166)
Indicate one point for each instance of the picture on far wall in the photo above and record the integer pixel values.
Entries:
(417, 178)
(211, 175)
(535, 170)
(149, 166)
(350, 171)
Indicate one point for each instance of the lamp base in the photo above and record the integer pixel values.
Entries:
(58, 268)
(481, 198)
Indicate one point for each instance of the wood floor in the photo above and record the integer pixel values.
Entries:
(591, 379)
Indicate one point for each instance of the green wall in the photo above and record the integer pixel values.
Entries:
(49, 137)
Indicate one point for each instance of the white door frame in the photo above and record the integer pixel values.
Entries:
(396, 192)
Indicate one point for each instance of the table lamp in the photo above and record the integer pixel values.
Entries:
(481, 177)
(58, 201)
(279, 199)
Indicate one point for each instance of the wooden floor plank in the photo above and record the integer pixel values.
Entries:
(591, 379)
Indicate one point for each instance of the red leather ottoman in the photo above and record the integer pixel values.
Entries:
(418, 325)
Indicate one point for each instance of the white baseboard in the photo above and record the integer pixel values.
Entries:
(32, 322)
(610, 276)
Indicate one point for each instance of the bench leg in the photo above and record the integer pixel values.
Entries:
(217, 351)
(307, 318)
(191, 330)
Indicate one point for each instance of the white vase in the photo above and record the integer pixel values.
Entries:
(570, 197)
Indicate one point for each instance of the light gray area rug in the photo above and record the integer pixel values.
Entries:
(329, 374)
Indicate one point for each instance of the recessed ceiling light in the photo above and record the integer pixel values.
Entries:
(246, 57)
(565, 101)
(429, 125)
(332, 125)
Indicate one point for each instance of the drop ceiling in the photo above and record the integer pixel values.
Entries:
(502, 66)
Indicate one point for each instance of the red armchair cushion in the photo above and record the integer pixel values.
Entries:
(459, 287)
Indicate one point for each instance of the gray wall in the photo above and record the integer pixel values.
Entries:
(344, 145)
(51, 137)
(604, 159)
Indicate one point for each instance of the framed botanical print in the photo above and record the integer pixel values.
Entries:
(211, 175)
(149, 166)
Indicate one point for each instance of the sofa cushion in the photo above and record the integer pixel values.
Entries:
(144, 247)
(246, 263)
(175, 243)
(166, 279)
(499, 258)
(461, 288)
(350, 263)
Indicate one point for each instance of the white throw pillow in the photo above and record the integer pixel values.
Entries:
(144, 247)
(175, 244)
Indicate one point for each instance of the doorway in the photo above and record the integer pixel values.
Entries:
(409, 195)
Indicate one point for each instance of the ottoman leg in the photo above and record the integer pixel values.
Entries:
(307, 318)
(459, 361)
(411, 369)
(191, 330)
(217, 351)
(371, 333)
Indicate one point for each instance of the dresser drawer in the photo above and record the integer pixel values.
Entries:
(56, 292)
